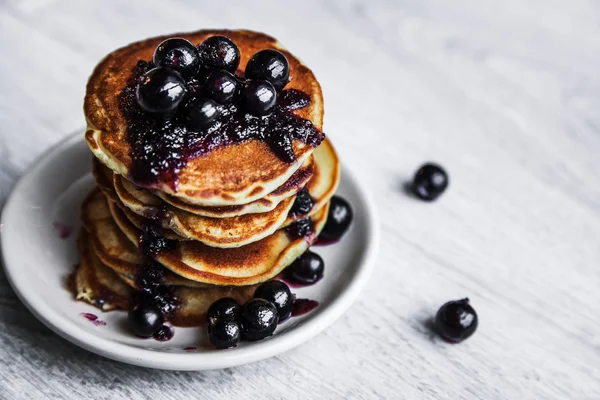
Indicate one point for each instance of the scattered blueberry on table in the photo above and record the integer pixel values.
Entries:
(429, 182)
(456, 320)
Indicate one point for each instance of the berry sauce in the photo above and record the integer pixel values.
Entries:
(93, 318)
(325, 242)
(303, 228)
(63, 231)
(303, 204)
(160, 146)
(303, 306)
(149, 278)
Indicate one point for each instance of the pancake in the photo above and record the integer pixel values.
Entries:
(241, 266)
(104, 179)
(95, 284)
(292, 186)
(111, 246)
(210, 179)
(324, 182)
(118, 211)
(234, 231)
(100, 286)
(215, 232)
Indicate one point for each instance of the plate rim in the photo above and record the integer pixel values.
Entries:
(192, 361)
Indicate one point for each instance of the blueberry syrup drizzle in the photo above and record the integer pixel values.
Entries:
(303, 228)
(303, 306)
(303, 204)
(157, 214)
(93, 318)
(63, 231)
(149, 279)
(160, 146)
(325, 242)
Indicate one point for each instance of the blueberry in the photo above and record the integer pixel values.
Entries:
(429, 182)
(259, 319)
(221, 86)
(144, 320)
(259, 96)
(338, 219)
(279, 294)
(224, 332)
(302, 228)
(219, 52)
(161, 90)
(152, 242)
(200, 113)
(178, 54)
(456, 320)
(306, 270)
(303, 203)
(225, 307)
(270, 65)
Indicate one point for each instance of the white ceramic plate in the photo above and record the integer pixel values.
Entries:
(40, 223)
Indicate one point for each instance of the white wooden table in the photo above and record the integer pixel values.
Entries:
(504, 94)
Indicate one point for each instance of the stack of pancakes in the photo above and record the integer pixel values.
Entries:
(230, 220)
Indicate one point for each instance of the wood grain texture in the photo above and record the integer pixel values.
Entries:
(504, 94)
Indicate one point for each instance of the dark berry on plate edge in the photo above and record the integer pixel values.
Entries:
(221, 86)
(201, 113)
(258, 96)
(224, 332)
(219, 52)
(303, 203)
(270, 65)
(144, 320)
(307, 269)
(338, 220)
(178, 54)
(429, 182)
(225, 307)
(164, 333)
(259, 319)
(456, 320)
(161, 90)
(279, 294)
